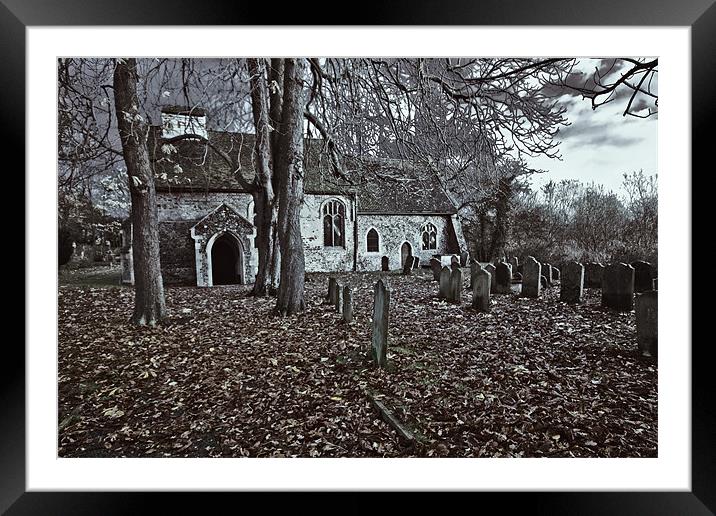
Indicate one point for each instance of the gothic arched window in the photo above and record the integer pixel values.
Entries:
(372, 241)
(430, 236)
(334, 222)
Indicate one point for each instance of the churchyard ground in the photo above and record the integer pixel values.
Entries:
(222, 377)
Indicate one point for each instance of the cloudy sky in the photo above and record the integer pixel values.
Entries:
(600, 145)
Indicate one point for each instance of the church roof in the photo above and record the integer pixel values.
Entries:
(380, 185)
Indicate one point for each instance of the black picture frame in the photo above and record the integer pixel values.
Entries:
(17, 15)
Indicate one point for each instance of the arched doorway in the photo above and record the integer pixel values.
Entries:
(226, 261)
(405, 250)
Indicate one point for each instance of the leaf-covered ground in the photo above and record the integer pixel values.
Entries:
(224, 378)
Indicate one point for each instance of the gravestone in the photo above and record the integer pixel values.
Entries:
(347, 304)
(543, 281)
(436, 268)
(454, 259)
(416, 262)
(456, 285)
(655, 282)
(547, 272)
(593, 273)
(481, 290)
(408, 265)
(474, 267)
(331, 291)
(516, 277)
(464, 258)
(381, 311)
(643, 276)
(618, 287)
(647, 327)
(339, 297)
(515, 264)
(519, 268)
(572, 283)
(556, 274)
(444, 291)
(384, 264)
(504, 278)
(493, 275)
(531, 273)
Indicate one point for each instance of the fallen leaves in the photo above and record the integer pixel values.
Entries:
(223, 378)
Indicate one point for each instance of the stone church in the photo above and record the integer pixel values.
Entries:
(206, 217)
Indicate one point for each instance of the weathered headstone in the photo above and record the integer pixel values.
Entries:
(556, 274)
(481, 290)
(644, 275)
(464, 258)
(416, 262)
(647, 327)
(504, 278)
(444, 291)
(408, 265)
(339, 297)
(454, 259)
(593, 274)
(347, 304)
(436, 268)
(474, 267)
(456, 285)
(384, 264)
(514, 261)
(493, 275)
(547, 272)
(618, 287)
(543, 281)
(572, 283)
(381, 319)
(531, 273)
(331, 291)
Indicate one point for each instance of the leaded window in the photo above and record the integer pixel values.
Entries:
(334, 223)
(430, 236)
(372, 241)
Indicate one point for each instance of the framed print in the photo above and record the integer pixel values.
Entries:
(388, 257)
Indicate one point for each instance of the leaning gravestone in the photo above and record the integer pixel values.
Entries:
(531, 273)
(384, 264)
(543, 281)
(593, 274)
(504, 278)
(339, 297)
(493, 276)
(481, 290)
(572, 283)
(643, 276)
(647, 327)
(331, 291)
(618, 287)
(464, 258)
(381, 311)
(436, 268)
(455, 285)
(515, 264)
(347, 304)
(444, 283)
(408, 265)
(547, 272)
(416, 262)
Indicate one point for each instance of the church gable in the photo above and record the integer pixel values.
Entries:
(221, 219)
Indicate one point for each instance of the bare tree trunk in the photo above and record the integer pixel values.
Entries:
(264, 198)
(289, 170)
(502, 208)
(149, 304)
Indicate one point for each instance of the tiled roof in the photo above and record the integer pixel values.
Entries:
(381, 186)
